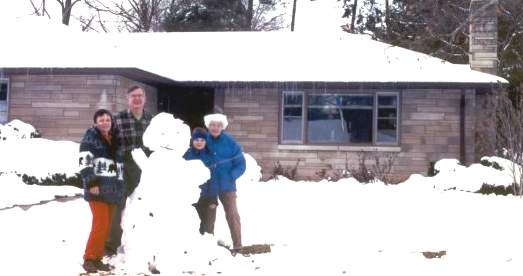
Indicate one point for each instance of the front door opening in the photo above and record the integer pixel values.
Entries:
(190, 104)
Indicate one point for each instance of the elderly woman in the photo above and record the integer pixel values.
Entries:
(208, 201)
(101, 172)
(229, 166)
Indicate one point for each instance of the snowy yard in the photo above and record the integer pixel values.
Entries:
(315, 228)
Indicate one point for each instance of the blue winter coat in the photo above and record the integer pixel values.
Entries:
(229, 162)
(101, 165)
(207, 189)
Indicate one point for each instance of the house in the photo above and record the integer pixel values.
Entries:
(317, 101)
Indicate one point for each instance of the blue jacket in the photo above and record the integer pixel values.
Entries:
(229, 162)
(207, 189)
(101, 165)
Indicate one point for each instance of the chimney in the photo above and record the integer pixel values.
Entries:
(483, 45)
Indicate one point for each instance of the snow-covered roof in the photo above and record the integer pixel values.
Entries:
(231, 56)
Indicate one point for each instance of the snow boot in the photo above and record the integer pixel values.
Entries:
(90, 266)
(102, 266)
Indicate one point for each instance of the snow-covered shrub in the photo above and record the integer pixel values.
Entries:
(17, 129)
(36, 160)
(493, 164)
(474, 178)
(487, 189)
(58, 179)
(252, 171)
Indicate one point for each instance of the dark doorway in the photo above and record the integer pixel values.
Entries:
(188, 103)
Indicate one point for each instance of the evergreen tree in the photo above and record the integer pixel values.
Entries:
(207, 15)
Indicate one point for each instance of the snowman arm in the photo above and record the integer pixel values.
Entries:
(139, 157)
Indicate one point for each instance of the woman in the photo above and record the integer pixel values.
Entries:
(101, 171)
(206, 205)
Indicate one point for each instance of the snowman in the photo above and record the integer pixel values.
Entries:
(160, 225)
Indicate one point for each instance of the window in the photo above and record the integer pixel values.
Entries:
(340, 119)
(3, 90)
(4, 86)
(387, 121)
(292, 117)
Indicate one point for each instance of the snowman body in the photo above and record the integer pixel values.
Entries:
(160, 225)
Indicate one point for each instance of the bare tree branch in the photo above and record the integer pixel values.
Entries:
(471, 17)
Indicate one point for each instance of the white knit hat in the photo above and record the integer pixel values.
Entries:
(216, 118)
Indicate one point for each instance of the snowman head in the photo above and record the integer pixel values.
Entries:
(167, 133)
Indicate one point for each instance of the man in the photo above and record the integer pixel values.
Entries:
(130, 125)
(230, 165)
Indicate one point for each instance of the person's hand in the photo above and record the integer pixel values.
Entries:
(94, 190)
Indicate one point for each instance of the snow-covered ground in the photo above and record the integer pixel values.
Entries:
(315, 228)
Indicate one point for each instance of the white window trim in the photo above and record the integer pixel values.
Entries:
(282, 115)
(6, 80)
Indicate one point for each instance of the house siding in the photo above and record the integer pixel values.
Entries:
(429, 131)
(61, 106)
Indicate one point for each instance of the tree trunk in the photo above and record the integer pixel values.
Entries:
(250, 8)
(387, 18)
(353, 18)
(293, 15)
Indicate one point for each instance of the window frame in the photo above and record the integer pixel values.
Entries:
(305, 105)
(376, 118)
(6, 81)
(303, 114)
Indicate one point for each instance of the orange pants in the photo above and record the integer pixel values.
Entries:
(102, 218)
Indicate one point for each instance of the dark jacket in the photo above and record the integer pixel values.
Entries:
(101, 165)
(207, 189)
(229, 162)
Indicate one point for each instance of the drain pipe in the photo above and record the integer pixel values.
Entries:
(462, 156)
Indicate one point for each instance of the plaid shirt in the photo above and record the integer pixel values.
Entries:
(129, 131)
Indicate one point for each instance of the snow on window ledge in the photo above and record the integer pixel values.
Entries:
(341, 148)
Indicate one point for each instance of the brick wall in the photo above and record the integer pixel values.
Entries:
(61, 106)
(429, 131)
(120, 97)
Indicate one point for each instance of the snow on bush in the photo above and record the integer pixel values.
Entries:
(39, 158)
(24, 153)
(30, 160)
(17, 129)
(452, 175)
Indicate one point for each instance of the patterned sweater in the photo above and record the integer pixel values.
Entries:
(101, 165)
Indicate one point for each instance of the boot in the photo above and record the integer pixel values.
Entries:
(101, 266)
(90, 266)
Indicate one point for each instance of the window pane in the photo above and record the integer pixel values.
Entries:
(292, 112)
(387, 113)
(292, 129)
(3, 91)
(387, 100)
(292, 121)
(387, 130)
(293, 99)
(322, 100)
(336, 125)
(358, 101)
